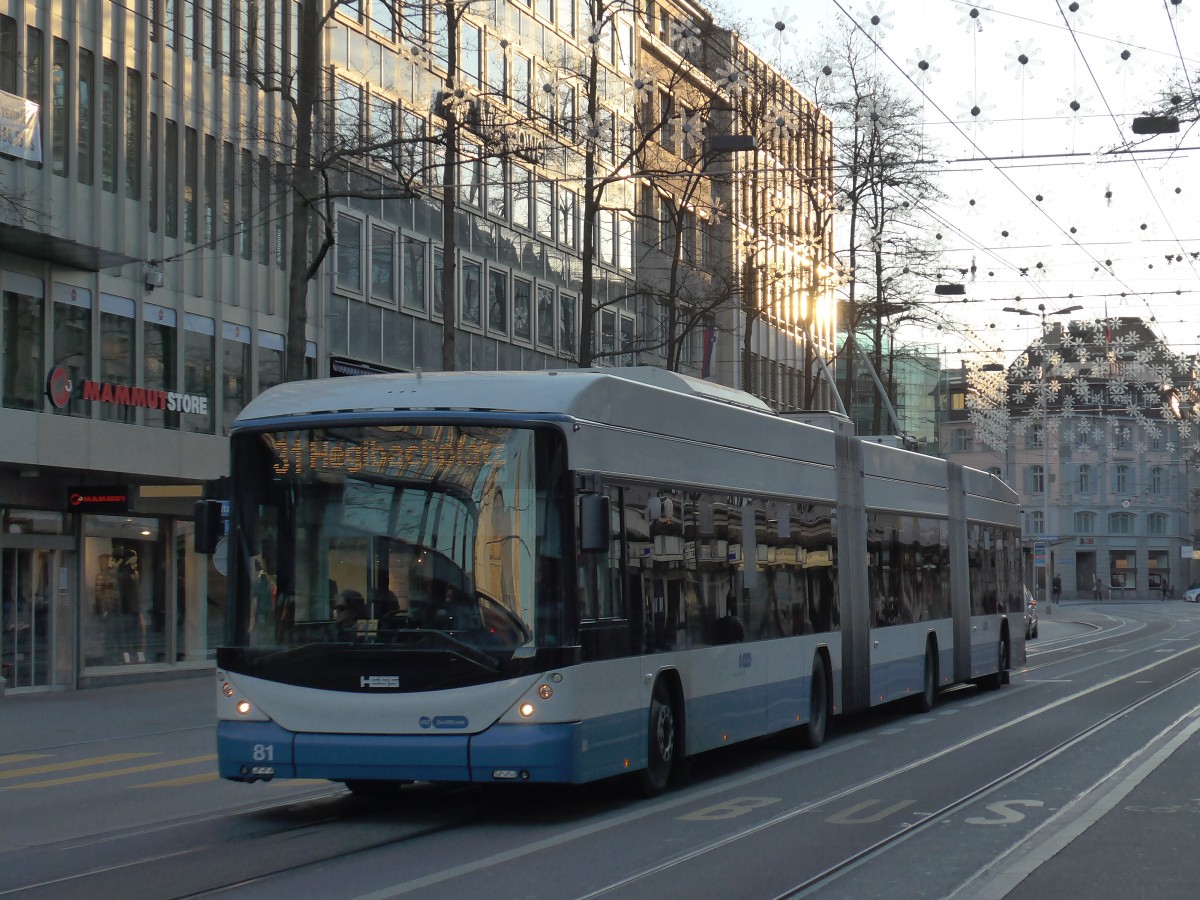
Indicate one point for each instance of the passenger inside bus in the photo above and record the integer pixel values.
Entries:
(348, 609)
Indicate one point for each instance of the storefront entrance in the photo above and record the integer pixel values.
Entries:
(35, 618)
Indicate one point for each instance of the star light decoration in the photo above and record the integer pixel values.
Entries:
(977, 107)
(872, 117)
(1075, 107)
(731, 82)
(690, 128)
(781, 20)
(1121, 57)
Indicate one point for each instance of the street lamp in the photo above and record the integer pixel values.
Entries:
(1041, 311)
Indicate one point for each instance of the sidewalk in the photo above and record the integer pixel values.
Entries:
(39, 721)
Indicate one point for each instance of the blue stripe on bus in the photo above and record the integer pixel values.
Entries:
(249, 751)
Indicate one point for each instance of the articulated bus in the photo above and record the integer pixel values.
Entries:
(563, 576)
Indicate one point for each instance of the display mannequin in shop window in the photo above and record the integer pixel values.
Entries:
(131, 606)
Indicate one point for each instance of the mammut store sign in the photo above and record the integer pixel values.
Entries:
(59, 388)
(98, 500)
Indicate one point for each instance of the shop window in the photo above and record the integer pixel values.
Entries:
(117, 330)
(23, 331)
(270, 360)
(160, 369)
(199, 377)
(235, 371)
(128, 603)
(71, 341)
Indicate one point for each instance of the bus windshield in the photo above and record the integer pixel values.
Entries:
(406, 538)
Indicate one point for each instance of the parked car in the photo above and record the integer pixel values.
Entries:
(1031, 616)
(1192, 595)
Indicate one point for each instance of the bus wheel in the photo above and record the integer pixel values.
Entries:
(924, 701)
(993, 681)
(662, 744)
(812, 733)
(377, 791)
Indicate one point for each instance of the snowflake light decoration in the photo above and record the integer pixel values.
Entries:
(551, 87)
(1023, 61)
(876, 21)
(1077, 12)
(779, 122)
(1075, 107)
(1179, 9)
(1122, 59)
(642, 82)
(973, 18)
(717, 211)
(923, 67)
(456, 100)
(977, 108)
(690, 129)
(731, 81)
(685, 36)
(781, 20)
(598, 130)
(872, 118)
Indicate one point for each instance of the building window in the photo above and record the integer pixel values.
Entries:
(1085, 479)
(71, 340)
(118, 328)
(235, 371)
(60, 84)
(545, 316)
(229, 187)
(498, 301)
(383, 23)
(245, 229)
(270, 360)
(994, 470)
(133, 134)
(472, 281)
(8, 55)
(413, 292)
(964, 440)
(1037, 522)
(1122, 437)
(566, 325)
(199, 377)
(544, 212)
(87, 113)
(171, 188)
(438, 267)
(1158, 480)
(471, 43)
(383, 264)
(159, 364)
(1120, 523)
(497, 188)
(191, 185)
(1121, 481)
(349, 254)
(522, 310)
(1035, 435)
(1037, 480)
(1156, 523)
(108, 126)
(23, 375)
(958, 400)
(1085, 522)
(521, 189)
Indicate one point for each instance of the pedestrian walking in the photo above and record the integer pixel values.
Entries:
(1056, 586)
(1097, 588)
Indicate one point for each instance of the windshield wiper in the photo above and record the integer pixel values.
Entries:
(474, 654)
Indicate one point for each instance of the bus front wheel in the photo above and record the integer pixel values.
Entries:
(662, 744)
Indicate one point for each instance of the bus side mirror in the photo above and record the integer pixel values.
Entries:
(594, 523)
(208, 525)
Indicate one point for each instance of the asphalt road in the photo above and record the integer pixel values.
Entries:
(1079, 776)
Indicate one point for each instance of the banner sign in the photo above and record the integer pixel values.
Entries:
(20, 131)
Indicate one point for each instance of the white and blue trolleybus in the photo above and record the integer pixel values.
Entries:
(563, 576)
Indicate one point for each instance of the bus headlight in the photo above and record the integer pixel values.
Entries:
(526, 709)
(227, 689)
(243, 707)
(545, 691)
